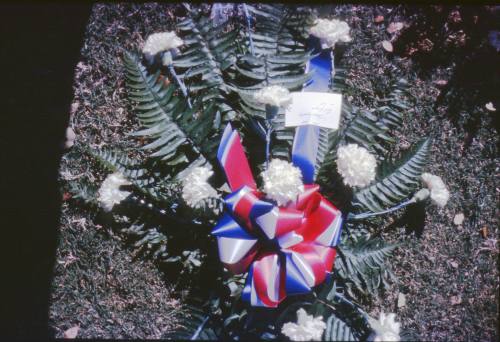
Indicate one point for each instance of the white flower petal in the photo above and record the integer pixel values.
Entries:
(282, 181)
(439, 193)
(195, 187)
(274, 96)
(356, 165)
(109, 193)
(162, 41)
(331, 32)
(306, 329)
(386, 328)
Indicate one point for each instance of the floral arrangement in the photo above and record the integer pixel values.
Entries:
(275, 223)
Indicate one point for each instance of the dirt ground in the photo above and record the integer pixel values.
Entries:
(448, 275)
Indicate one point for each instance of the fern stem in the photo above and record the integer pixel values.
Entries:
(180, 84)
(332, 75)
(200, 328)
(268, 145)
(249, 25)
(354, 306)
(362, 216)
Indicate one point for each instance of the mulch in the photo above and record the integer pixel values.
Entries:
(447, 273)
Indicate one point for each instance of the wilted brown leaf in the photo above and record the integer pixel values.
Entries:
(484, 232)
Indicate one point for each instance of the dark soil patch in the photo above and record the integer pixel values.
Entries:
(449, 275)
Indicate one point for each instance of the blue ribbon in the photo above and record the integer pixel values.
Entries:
(305, 143)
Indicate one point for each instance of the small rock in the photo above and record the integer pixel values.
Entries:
(71, 332)
(378, 19)
(458, 219)
(489, 106)
(387, 45)
(454, 264)
(401, 300)
(70, 138)
(455, 300)
(394, 27)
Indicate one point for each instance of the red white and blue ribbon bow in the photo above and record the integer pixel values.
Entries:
(286, 250)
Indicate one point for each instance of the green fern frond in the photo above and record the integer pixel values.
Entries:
(209, 53)
(395, 182)
(141, 175)
(148, 241)
(178, 135)
(277, 29)
(194, 325)
(362, 263)
(338, 330)
(83, 190)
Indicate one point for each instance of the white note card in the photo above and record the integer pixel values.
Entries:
(314, 108)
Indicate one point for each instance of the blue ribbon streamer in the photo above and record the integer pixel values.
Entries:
(305, 143)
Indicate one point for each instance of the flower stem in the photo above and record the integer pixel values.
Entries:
(200, 328)
(332, 79)
(354, 306)
(249, 25)
(362, 216)
(268, 145)
(180, 83)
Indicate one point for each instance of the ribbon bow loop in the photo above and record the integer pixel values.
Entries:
(286, 250)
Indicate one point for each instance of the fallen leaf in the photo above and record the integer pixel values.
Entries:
(484, 232)
(72, 332)
(489, 106)
(455, 300)
(458, 219)
(394, 27)
(441, 83)
(378, 19)
(66, 196)
(387, 45)
(401, 300)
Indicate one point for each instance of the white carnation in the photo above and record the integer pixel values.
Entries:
(109, 193)
(439, 194)
(282, 181)
(162, 41)
(356, 165)
(195, 187)
(386, 328)
(306, 329)
(330, 32)
(274, 96)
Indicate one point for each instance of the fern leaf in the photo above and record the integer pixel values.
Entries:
(363, 263)
(140, 175)
(338, 330)
(84, 191)
(395, 182)
(194, 325)
(177, 134)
